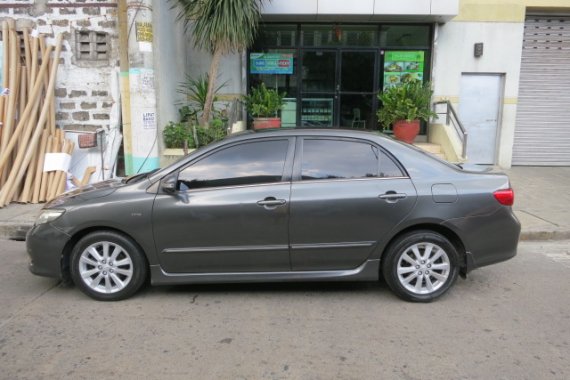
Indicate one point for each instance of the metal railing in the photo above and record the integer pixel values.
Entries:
(451, 118)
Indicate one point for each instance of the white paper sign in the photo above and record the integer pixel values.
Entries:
(145, 47)
(149, 120)
(57, 161)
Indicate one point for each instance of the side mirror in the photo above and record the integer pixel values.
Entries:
(169, 183)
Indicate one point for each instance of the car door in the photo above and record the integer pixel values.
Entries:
(229, 212)
(345, 196)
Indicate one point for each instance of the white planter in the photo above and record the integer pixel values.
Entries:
(172, 155)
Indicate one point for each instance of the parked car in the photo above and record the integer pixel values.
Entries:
(287, 205)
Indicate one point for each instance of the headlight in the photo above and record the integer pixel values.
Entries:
(49, 215)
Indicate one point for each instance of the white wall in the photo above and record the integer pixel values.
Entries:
(432, 10)
(502, 54)
(170, 65)
(229, 70)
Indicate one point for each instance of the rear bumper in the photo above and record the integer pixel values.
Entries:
(45, 245)
(488, 239)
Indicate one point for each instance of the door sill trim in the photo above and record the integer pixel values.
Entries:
(368, 271)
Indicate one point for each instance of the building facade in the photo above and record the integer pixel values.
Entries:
(502, 65)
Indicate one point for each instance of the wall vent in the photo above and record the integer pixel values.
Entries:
(92, 46)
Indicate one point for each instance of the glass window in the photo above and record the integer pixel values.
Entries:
(277, 35)
(319, 71)
(405, 36)
(338, 35)
(283, 83)
(327, 159)
(243, 164)
(357, 71)
(388, 167)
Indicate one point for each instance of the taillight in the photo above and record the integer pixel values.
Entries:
(505, 197)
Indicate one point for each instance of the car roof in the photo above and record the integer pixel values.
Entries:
(340, 132)
(324, 132)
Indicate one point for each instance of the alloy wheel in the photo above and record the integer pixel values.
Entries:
(423, 268)
(105, 267)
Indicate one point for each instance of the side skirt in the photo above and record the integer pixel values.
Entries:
(369, 271)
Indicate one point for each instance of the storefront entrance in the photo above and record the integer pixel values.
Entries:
(338, 88)
(337, 70)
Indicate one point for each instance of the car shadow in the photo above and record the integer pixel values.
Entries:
(275, 288)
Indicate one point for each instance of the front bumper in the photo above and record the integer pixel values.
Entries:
(45, 245)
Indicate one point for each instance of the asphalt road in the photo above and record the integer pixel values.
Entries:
(508, 321)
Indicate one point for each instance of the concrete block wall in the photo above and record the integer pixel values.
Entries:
(83, 98)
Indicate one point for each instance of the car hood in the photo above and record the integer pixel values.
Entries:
(84, 193)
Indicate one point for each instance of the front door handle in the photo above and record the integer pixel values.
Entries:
(271, 202)
(392, 196)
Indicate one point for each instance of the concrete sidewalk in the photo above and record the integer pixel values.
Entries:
(542, 204)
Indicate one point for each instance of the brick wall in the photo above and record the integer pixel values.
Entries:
(83, 98)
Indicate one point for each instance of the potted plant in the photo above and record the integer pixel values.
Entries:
(403, 107)
(263, 104)
(178, 136)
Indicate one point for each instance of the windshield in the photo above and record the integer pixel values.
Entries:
(137, 177)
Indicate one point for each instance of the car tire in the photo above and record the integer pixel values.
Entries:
(108, 266)
(420, 266)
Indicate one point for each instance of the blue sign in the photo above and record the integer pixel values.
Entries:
(270, 63)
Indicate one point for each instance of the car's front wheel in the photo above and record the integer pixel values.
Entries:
(420, 266)
(108, 266)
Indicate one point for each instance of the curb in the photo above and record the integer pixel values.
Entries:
(544, 235)
(15, 231)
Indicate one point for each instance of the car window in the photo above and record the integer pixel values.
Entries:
(388, 168)
(244, 164)
(326, 159)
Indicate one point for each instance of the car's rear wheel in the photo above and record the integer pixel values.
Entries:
(108, 266)
(420, 266)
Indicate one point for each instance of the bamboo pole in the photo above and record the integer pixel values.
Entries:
(26, 195)
(54, 180)
(57, 147)
(45, 175)
(22, 161)
(31, 108)
(6, 39)
(27, 54)
(12, 72)
(62, 187)
(61, 176)
(22, 91)
(52, 126)
(34, 63)
(10, 83)
(5, 81)
(40, 167)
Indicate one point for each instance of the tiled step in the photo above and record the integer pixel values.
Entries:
(434, 149)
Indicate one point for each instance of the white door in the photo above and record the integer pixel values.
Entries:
(479, 101)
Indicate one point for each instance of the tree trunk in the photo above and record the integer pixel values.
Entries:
(211, 86)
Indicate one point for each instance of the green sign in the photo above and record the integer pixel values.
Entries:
(403, 67)
(270, 63)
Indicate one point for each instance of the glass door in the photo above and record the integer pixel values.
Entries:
(318, 90)
(338, 88)
(356, 90)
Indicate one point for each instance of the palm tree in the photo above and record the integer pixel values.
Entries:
(221, 27)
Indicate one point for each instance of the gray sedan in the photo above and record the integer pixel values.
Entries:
(287, 205)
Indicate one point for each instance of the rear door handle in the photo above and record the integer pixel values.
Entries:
(392, 196)
(271, 202)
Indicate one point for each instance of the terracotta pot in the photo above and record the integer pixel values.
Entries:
(266, 122)
(406, 131)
